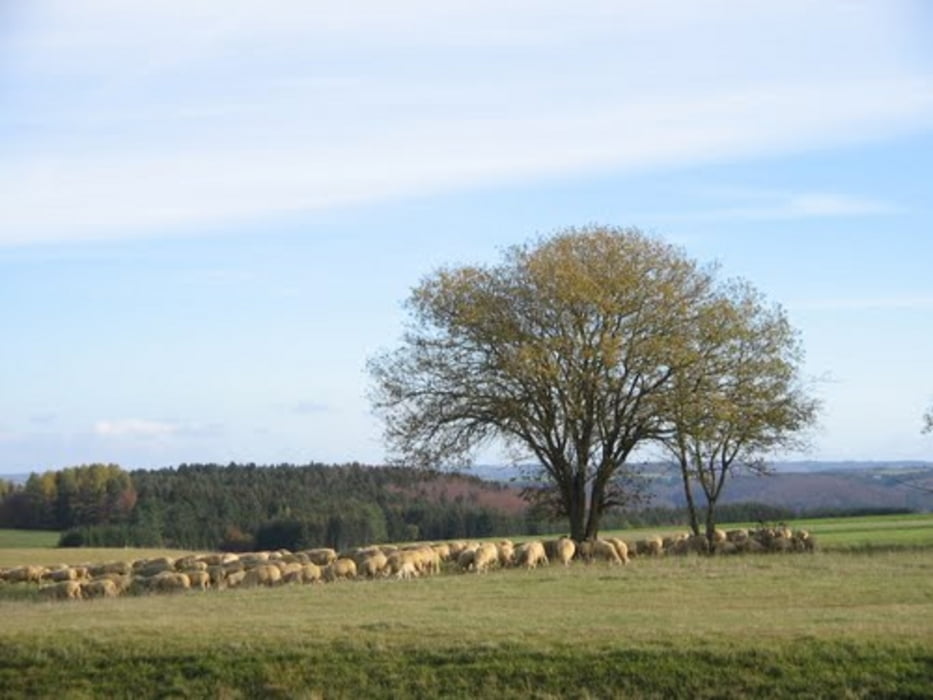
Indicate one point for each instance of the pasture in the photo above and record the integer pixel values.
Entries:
(833, 624)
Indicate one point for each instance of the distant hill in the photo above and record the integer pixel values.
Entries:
(800, 486)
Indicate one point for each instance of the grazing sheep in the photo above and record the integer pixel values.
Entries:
(310, 573)
(466, 559)
(620, 547)
(254, 559)
(739, 536)
(698, 544)
(376, 564)
(198, 579)
(398, 558)
(484, 557)
(584, 551)
(564, 550)
(725, 547)
(443, 551)
(151, 567)
(506, 553)
(99, 588)
(235, 578)
(322, 556)
(406, 571)
(263, 575)
(531, 554)
(63, 590)
(122, 582)
(66, 573)
(113, 567)
(169, 582)
(606, 551)
(26, 574)
(650, 546)
(340, 569)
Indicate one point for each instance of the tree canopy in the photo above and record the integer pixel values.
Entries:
(739, 398)
(566, 352)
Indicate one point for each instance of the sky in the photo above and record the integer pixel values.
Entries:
(212, 212)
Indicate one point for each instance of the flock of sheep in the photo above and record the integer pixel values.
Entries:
(228, 570)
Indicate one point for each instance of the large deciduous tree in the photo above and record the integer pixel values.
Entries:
(738, 399)
(577, 349)
(565, 350)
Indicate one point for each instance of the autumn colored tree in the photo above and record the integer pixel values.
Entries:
(738, 400)
(564, 351)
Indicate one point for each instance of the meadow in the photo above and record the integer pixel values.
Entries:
(843, 622)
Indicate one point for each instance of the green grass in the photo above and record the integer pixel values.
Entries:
(822, 625)
(914, 530)
(10, 539)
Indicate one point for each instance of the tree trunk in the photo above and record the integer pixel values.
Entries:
(576, 509)
(710, 524)
(688, 494)
(597, 499)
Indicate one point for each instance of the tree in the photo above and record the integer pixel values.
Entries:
(564, 351)
(738, 399)
(928, 421)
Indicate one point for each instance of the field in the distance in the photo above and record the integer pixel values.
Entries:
(831, 624)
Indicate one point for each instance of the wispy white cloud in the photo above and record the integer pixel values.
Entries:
(865, 304)
(230, 112)
(304, 408)
(140, 429)
(134, 428)
(768, 206)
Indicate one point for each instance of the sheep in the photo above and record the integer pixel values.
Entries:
(191, 563)
(620, 547)
(113, 567)
(399, 558)
(698, 544)
(122, 582)
(322, 556)
(531, 554)
(373, 565)
(263, 575)
(406, 571)
(465, 559)
(235, 578)
(99, 588)
(310, 573)
(254, 559)
(738, 536)
(485, 556)
(340, 569)
(65, 573)
(26, 574)
(564, 550)
(725, 547)
(606, 551)
(650, 546)
(584, 551)
(169, 582)
(198, 579)
(442, 550)
(63, 590)
(506, 553)
(151, 567)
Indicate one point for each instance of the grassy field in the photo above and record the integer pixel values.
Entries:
(15, 539)
(831, 624)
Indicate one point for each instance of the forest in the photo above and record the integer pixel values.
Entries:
(238, 507)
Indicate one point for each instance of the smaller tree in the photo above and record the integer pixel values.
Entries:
(928, 420)
(738, 400)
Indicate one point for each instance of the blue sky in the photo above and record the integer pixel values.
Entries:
(210, 213)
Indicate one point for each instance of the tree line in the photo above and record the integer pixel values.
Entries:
(245, 506)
